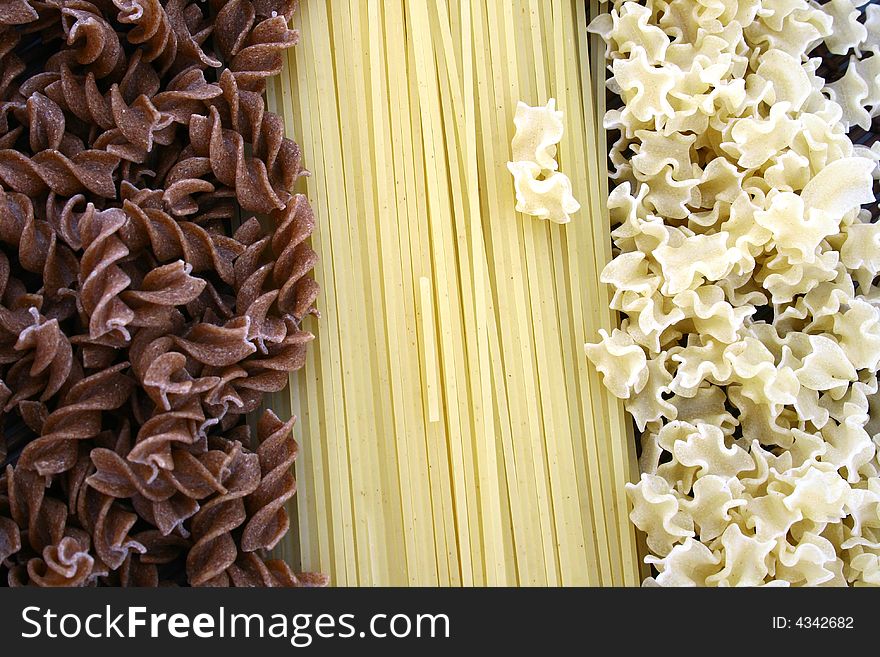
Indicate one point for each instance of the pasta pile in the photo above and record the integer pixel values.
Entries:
(455, 433)
(745, 273)
(144, 309)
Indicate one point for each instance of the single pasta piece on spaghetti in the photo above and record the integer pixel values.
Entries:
(546, 198)
(541, 190)
(538, 131)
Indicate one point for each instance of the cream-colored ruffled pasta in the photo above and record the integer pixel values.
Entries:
(541, 190)
(857, 34)
(538, 131)
(744, 272)
(547, 197)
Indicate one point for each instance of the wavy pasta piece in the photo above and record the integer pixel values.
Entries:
(645, 89)
(621, 361)
(688, 564)
(656, 511)
(846, 31)
(548, 198)
(538, 131)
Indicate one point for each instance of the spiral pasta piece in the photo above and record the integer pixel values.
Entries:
(11, 66)
(163, 33)
(45, 122)
(214, 549)
(268, 520)
(295, 259)
(194, 476)
(247, 175)
(42, 519)
(184, 16)
(139, 79)
(245, 112)
(38, 249)
(185, 95)
(46, 366)
(160, 292)
(251, 570)
(101, 280)
(237, 18)
(10, 538)
(152, 31)
(169, 516)
(269, 373)
(90, 170)
(163, 372)
(234, 20)
(138, 121)
(135, 573)
(276, 346)
(161, 432)
(10, 535)
(130, 127)
(80, 96)
(279, 345)
(66, 564)
(78, 417)
(166, 498)
(16, 211)
(261, 56)
(168, 239)
(109, 525)
(92, 40)
(251, 299)
(218, 346)
(160, 549)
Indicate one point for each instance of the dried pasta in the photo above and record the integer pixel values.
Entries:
(743, 270)
(461, 436)
(541, 190)
(145, 310)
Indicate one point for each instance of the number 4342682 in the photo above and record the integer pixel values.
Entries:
(814, 623)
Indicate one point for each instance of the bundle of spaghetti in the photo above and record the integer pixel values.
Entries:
(455, 433)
